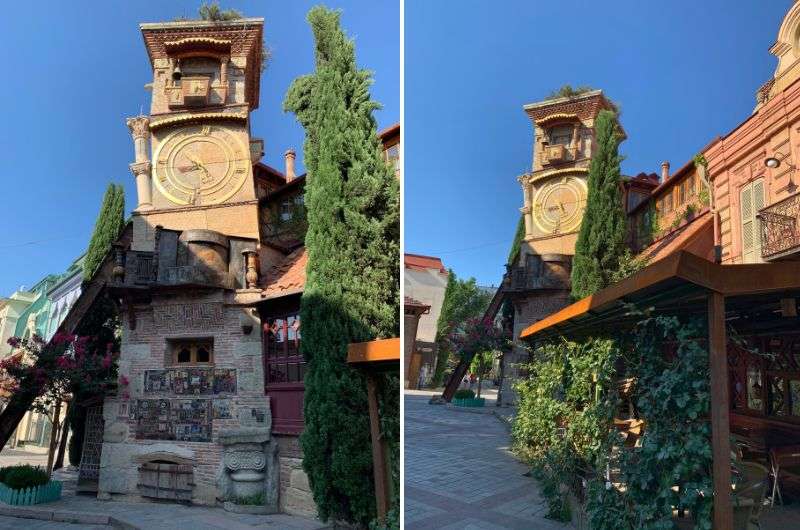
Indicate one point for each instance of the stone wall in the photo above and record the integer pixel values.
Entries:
(296, 497)
(145, 346)
(528, 310)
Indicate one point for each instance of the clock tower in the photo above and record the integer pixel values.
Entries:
(537, 281)
(193, 164)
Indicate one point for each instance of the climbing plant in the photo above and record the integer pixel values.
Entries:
(564, 427)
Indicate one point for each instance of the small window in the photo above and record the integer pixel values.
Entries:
(561, 135)
(193, 351)
(668, 202)
(392, 155)
(299, 200)
(286, 210)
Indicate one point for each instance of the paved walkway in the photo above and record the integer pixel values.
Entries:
(10, 457)
(86, 512)
(459, 473)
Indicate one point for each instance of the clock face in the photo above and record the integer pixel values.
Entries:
(558, 205)
(201, 164)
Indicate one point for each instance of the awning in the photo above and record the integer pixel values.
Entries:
(679, 284)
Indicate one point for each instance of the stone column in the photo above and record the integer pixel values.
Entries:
(575, 139)
(140, 131)
(526, 203)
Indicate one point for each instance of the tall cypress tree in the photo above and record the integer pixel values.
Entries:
(107, 228)
(353, 274)
(601, 241)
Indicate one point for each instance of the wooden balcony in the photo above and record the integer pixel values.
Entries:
(780, 233)
(522, 279)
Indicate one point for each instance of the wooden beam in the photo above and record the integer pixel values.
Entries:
(720, 407)
(378, 453)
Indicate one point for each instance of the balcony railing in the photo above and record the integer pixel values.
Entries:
(141, 269)
(523, 279)
(780, 233)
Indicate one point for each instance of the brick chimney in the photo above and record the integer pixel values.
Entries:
(664, 171)
(289, 157)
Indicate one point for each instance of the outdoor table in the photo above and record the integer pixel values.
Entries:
(777, 440)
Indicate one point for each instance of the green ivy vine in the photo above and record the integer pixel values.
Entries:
(564, 426)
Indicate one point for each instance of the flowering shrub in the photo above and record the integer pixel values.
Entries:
(51, 371)
(477, 335)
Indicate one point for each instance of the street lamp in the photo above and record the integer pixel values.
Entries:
(774, 162)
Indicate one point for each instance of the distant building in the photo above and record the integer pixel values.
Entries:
(425, 282)
(11, 310)
(390, 137)
(413, 310)
(45, 307)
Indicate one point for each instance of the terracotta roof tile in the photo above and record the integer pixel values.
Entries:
(424, 262)
(696, 237)
(288, 276)
(408, 301)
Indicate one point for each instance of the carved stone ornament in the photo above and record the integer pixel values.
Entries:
(139, 168)
(139, 126)
(245, 460)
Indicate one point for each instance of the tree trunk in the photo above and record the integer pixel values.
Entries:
(51, 452)
(62, 444)
(455, 378)
(17, 406)
(480, 380)
(500, 379)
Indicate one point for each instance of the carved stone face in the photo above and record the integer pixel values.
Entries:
(200, 164)
(558, 204)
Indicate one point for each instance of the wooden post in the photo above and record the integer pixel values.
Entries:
(378, 454)
(720, 421)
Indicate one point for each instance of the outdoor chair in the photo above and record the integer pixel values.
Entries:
(749, 496)
(786, 461)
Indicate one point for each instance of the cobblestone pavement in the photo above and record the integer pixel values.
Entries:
(459, 473)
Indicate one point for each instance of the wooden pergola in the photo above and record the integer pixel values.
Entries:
(375, 357)
(760, 297)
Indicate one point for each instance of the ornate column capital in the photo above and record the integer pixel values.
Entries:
(141, 168)
(139, 126)
(525, 209)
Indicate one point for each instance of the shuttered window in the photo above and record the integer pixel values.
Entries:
(751, 201)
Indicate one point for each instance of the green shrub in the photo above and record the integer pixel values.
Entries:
(464, 393)
(23, 476)
(250, 500)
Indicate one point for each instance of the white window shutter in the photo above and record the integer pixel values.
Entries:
(758, 204)
(746, 213)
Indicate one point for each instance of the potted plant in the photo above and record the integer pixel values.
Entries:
(465, 397)
(23, 485)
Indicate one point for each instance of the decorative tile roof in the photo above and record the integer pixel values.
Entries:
(418, 261)
(287, 277)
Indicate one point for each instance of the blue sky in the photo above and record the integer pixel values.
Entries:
(73, 71)
(683, 72)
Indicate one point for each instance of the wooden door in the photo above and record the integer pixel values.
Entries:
(284, 370)
(412, 375)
